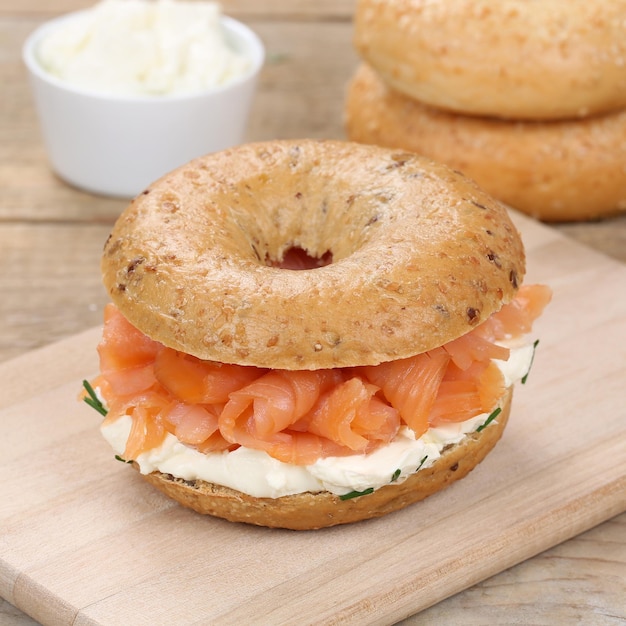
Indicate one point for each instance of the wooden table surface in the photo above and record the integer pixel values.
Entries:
(51, 236)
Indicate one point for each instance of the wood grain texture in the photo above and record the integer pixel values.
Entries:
(555, 474)
(48, 303)
(588, 599)
(51, 237)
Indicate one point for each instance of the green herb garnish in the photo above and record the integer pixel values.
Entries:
(489, 419)
(419, 467)
(396, 475)
(92, 399)
(119, 458)
(525, 377)
(356, 494)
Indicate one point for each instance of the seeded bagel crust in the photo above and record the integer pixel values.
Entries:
(420, 256)
(568, 170)
(309, 511)
(516, 59)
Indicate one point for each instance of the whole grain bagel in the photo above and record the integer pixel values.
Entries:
(309, 511)
(511, 58)
(555, 171)
(419, 256)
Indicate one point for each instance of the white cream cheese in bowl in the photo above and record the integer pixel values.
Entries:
(141, 47)
(131, 89)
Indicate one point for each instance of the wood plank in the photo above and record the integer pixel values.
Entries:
(555, 588)
(609, 236)
(53, 275)
(555, 473)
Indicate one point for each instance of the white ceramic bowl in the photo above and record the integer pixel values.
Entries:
(117, 145)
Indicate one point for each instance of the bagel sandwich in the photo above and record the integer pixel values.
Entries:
(309, 333)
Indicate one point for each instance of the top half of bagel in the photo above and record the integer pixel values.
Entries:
(415, 255)
(515, 59)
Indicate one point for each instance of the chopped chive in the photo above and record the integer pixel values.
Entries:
(419, 467)
(92, 399)
(356, 494)
(119, 458)
(94, 405)
(525, 377)
(396, 475)
(489, 419)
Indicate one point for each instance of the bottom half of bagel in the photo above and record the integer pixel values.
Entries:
(307, 449)
(309, 511)
(556, 171)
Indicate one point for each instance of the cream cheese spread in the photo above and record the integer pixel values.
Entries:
(256, 473)
(143, 47)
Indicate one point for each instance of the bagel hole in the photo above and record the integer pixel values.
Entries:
(296, 258)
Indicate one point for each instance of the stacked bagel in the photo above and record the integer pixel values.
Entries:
(527, 98)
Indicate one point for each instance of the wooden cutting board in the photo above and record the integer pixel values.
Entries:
(84, 540)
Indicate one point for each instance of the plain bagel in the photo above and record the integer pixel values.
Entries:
(555, 171)
(511, 58)
(419, 254)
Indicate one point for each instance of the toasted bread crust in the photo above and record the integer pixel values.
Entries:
(513, 59)
(309, 511)
(420, 256)
(569, 170)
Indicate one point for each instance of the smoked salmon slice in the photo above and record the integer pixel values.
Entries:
(301, 416)
(465, 393)
(127, 355)
(411, 385)
(353, 416)
(200, 382)
(517, 317)
(272, 403)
